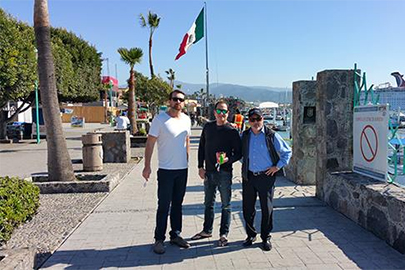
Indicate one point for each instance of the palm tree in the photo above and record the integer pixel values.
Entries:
(59, 164)
(152, 24)
(171, 76)
(131, 57)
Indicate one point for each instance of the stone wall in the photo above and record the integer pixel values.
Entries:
(334, 103)
(377, 206)
(301, 169)
(116, 147)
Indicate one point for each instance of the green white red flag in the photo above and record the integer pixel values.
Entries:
(193, 35)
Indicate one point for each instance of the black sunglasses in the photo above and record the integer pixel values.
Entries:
(219, 111)
(253, 119)
(175, 99)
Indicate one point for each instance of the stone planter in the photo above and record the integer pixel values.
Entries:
(138, 141)
(17, 259)
(86, 183)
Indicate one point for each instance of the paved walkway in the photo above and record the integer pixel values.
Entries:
(25, 158)
(307, 234)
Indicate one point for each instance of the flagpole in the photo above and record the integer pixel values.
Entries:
(206, 57)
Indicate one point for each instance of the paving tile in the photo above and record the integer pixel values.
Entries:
(307, 234)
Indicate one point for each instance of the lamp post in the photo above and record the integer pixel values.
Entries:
(37, 105)
(37, 112)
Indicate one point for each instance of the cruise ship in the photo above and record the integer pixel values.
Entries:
(394, 96)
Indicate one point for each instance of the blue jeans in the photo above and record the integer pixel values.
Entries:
(171, 189)
(223, 181)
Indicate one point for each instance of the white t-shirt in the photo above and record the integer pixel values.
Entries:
(171, 134)
(122, 122)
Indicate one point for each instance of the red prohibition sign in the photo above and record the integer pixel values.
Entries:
(373, 149)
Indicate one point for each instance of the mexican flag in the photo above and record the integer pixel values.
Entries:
(193, 35)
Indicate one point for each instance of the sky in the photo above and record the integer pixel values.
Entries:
(253, 43)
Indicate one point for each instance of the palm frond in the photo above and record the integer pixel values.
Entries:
(153, 20)
(131, 56)
(142, 20)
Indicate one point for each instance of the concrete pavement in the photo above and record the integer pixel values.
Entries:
(24, 158)
(307, 234)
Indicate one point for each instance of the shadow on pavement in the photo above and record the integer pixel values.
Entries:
(140, 255)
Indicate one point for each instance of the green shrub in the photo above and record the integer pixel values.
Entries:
(19, 201)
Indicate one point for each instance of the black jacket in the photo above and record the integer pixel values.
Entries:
(275, 157)
(215, 139)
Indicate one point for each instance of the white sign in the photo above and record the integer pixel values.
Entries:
(370, 141)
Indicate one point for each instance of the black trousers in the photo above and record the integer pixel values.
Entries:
(263, 186)
(171, 189)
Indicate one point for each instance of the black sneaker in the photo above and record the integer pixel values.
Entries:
(249, 241)
(179, 241)
(158, 247)
(267, 246)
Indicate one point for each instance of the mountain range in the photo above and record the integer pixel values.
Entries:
(247, 93)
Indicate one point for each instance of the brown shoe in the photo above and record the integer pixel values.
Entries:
(179, 241)
(158, 247)
(201, 235)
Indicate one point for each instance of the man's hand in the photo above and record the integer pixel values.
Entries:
(201, 173)
(146, 173)
(272, 170)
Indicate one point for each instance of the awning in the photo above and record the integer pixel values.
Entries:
(107, 79)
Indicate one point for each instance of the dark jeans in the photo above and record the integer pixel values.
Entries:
(223, 181)
(171, 189)
(264, 186)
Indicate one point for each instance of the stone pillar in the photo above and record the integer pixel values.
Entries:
(116, 147)
(334, 115)
(303, 160)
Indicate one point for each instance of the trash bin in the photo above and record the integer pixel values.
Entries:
(92, 152)
(27, 131)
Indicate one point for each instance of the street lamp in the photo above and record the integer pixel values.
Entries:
(37, 103)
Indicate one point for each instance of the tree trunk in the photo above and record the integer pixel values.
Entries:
(152, 74)
(131, 102)
(3, 125)
(59, 164)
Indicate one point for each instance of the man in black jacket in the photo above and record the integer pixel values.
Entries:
(220, 146)
(265, 153)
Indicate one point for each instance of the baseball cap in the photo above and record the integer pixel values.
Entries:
(253, 111)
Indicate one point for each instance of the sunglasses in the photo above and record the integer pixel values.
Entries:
(219, 111)
(175, 99)
(254, 119)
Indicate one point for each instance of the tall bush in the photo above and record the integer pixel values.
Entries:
(19, 201)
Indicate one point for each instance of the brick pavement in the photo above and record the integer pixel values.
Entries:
(307, 234)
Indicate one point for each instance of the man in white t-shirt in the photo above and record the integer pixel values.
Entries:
(171, 131)
(122, 122)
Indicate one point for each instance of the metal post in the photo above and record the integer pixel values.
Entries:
(206, 57)
(111, 87)
(116, 77)
(37, 112)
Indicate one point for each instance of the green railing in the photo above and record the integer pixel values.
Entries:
(395, 150)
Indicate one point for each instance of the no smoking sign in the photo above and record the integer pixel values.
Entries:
(369, 143)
